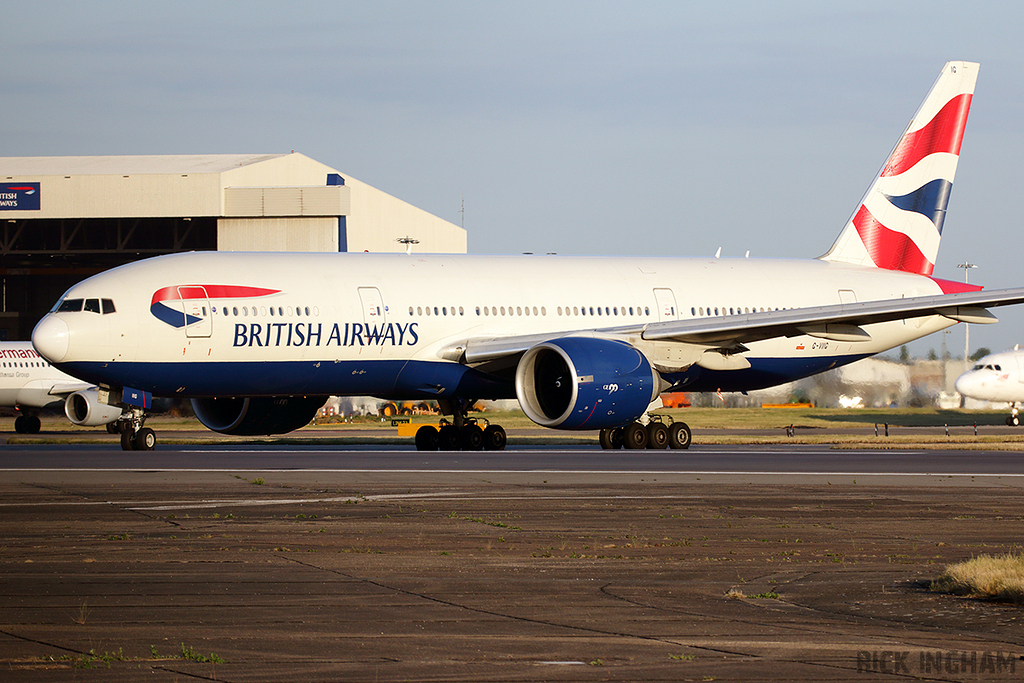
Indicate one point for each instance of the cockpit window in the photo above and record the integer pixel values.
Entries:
(92, 305)
(70, 306)
(108, 306)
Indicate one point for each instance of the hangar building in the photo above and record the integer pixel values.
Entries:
(66, 218)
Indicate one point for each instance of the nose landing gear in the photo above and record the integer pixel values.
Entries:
(135, 437)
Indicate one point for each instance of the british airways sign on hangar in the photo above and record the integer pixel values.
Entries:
(19, 196)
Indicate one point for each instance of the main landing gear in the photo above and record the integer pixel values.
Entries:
(470, 437)
(27, 424)
(462, 433)
(1012, 420)
(655, 434)
(135, 437)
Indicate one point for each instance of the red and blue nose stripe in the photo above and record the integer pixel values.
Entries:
(183, 293)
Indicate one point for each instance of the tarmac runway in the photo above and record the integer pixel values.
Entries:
(241, 563)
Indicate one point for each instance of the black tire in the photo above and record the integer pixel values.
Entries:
(19, 424)
(426, 438)
(127, 440)
(31, 424)
(605, 439)
(635, 436)
(679, 436)
(1012, 420)
(472, 438)
(618, 438)
(145, 439)
(495, 438)
(448, 439)
(112, 428)
(657, 435)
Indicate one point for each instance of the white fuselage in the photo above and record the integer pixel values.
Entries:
(27, 379)
(997, 377)
(271, 324)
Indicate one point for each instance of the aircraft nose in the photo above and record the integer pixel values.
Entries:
(964, 384)
(51, 338)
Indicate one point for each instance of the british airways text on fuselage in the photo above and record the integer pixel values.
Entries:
(310, 334)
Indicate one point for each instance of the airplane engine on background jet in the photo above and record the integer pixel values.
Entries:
(83, 408)
(585, 383)
(257, 416)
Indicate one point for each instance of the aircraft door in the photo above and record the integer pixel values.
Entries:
(195, 304)
(666, 302)
(374, 312)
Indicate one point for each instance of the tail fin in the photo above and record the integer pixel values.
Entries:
(899, 221)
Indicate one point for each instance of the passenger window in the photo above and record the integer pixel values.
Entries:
(70, 306)
(108, 306)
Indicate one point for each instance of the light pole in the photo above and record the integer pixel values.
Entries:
(967, 331)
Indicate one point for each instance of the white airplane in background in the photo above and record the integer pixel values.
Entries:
(998, 377)
(28, 383)
(259, 340)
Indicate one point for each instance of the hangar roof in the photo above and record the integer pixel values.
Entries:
(145, 164)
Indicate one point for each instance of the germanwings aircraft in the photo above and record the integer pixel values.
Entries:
(997, 377)
(259, 340)
(28, 383)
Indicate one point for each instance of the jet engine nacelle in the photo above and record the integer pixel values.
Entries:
(257, 416)
(84, 408)
(585, 383)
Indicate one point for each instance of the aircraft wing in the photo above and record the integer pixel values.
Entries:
(839, 322)
(66, 388)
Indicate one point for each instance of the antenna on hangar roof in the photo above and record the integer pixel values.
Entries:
(408, 242)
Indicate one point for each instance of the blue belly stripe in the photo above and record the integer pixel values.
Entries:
(396, 379)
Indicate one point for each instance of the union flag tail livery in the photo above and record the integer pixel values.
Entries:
(899, 222)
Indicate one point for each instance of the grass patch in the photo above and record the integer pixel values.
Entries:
(190, 654)
(986, 576)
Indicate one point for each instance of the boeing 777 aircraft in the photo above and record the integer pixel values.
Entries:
(28, 383)
(997, 377)
(259, 340)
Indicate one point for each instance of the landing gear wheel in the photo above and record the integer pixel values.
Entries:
(1011, 421)
(112, 428)
(679, 435)
(472, 438)
(145, 439)
(605, 439)
(657, 435)
(27, 424)
(426, 438)
(494, 438)
(635, 436)
(127, 440)
(448, 438)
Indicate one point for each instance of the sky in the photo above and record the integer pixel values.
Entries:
(667, 128)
